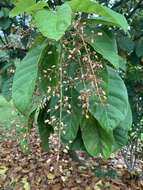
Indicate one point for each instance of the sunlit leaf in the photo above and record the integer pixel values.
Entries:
(25, 79)
(53, 24)
(91, 6)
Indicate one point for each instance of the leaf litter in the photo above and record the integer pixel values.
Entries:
(36, 170)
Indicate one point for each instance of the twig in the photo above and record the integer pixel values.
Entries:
(61, 110)
(91, 67)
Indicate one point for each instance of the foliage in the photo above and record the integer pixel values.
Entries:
(73, 66)
(131, 49)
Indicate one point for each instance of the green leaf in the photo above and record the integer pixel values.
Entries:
(91, 6)
(77, 144)
(48, 70)
(72, 120)
(24, 145)
(122, 63)
(71, 116)
(44, 129)
(53, 24)
(5, 23)
(39, 39)
(96, 139)
(121, 138)
(121, 132)
(112, 111)
(25, 79)
(104, 44)
(27, 6)
(6, 88)
(92, 21)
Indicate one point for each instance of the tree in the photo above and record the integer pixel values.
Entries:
(70, 80)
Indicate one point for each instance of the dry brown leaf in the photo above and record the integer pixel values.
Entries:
(98, 184)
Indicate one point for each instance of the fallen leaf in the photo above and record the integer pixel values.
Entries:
(26, 184)
(3, 170)
(51, 176)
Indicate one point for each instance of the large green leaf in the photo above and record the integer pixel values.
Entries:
(5, 23)
(48, 70)
(25, 79)
(94, 20)
(27, 6)
(54, 23)
(104, 44)
(78, 144)
(6, 88)
(45, 130)
(111, 112)
(71, 114)
(96, 139)
(72, 119)
(121, 132)
(91, 6)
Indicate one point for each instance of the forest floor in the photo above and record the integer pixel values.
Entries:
(39, 171)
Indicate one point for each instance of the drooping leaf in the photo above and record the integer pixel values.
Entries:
(77, 144)
(111, 112)
(99, 20)
(39, 39)
(72, 119)
(48, 70)
(45, 130)
(104, 44)
(7, 88)
(122, 63)
(96, 139)
(91, 6)
(53, 24)
(121, 132)
(71, 114)
(25, 79)
(27, 6)
(5, 23)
